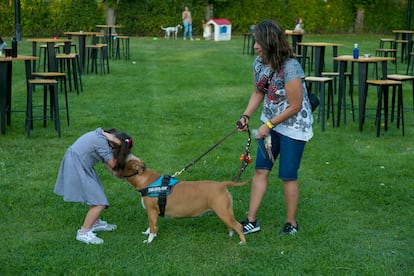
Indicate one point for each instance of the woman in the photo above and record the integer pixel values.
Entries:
(3, 44)
(286, 118)
(299, 25)
(187, 23)
(77, 180)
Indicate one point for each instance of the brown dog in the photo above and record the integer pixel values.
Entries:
(187, 198)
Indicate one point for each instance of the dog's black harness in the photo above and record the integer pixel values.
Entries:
(161, 189)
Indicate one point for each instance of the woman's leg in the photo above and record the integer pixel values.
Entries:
(291, 193)
(190, 31)
(185, 29)
(257, 192)
(291, 152)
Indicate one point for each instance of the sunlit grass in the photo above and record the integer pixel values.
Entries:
(177, 100)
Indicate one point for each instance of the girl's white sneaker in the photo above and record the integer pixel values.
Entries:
(102, 225)
(88, 237)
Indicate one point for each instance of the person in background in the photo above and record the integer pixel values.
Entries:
(187, 23)
(3, 44)
(286, 121)
(77, 180)
(298, 32)
(299, 25)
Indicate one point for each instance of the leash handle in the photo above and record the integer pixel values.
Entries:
(246, 157)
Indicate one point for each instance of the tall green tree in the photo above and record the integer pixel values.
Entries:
(111, 8)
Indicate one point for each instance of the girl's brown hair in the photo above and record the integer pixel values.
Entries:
(121, 151)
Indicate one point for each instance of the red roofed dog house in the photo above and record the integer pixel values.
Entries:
(222, 28)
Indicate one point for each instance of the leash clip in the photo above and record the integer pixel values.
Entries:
(178, 173)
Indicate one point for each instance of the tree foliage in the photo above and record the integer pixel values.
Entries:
(145, 17)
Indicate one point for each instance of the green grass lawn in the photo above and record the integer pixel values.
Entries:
(177, 100)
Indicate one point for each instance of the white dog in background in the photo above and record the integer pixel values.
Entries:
(171, 31)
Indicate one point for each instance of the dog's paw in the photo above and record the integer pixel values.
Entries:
(151, 237)
(146, 232)
(231, 233)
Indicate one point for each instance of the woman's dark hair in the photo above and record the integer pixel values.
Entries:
(121, 151)
(274, 43)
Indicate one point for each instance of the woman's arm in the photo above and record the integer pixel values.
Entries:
(294, 95)
(255, 100)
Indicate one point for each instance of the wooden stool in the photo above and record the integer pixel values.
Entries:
(390, 41)
(62, 45)
(320, 83)
(55, 76)
(46, 83)
(73, 69)
(388, 53)
(43, 48)
(348, 75)
(403, 78)
(383, 86)
(404, 49)
(122, 45)
(95, 52)
(383, 46)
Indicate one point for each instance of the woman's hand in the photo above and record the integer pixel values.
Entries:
(263, 131)
(243, 123)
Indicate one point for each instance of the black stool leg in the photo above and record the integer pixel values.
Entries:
(400, 110)
(79, 72)
(75, 75)
(29, 111)
(322, 105)
(351, 96)
(330, 100)
(378, 114)
(385, 95)
(56, 107)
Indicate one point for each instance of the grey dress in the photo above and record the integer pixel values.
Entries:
(77, 180)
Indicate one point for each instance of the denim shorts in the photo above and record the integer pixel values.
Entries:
(290, 153)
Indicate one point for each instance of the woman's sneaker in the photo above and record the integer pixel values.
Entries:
(250, 226)
(289, 229)
(102, 225)
(88, 237)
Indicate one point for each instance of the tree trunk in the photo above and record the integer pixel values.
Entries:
(359, 21)
(111, 18)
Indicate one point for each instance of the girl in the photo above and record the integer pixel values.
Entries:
(77, 180)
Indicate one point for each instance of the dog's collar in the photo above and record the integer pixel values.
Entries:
(135, 173)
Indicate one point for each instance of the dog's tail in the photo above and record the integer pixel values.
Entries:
(162, 27)
(236, 184)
